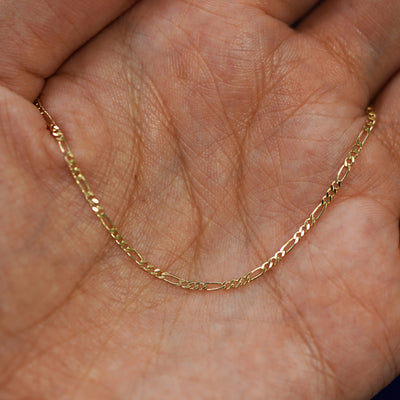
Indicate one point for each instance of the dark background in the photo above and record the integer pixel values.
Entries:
(391, 392)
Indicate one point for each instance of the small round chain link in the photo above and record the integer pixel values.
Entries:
(166, 276)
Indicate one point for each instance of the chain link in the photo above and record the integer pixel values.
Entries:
(172, 279)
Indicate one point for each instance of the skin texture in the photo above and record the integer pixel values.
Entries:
(209, 130)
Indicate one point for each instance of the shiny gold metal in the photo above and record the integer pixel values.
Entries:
(175, 280)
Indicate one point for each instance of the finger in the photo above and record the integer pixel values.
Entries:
(37, 36)
(288, 11)
(363, 37)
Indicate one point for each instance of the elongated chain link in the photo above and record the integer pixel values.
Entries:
(166, 276)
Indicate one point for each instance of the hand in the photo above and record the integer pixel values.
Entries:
(210, 131)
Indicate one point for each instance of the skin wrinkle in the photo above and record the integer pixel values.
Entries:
(199, 6)
(344, 288)
(19, 246)
(227, 118)
(9, 143)
(201, 233)
(170, 129)
(195, 206)
(30, 358)
(82, 154)
(311, 342)
(162, 342)
(266, 90)
(210, 218)
(211, 74)
(148, 218)
(292, 111)
(240, 143)
(389, 356)
(369, 309)
(391, 143)
(20, 34)
(57, 308)
(166, 187)
(100, 176)
(250, 234)
(63, 16)
(138, 171)
(281, 199)
(13, 366)
(342, 56)
(290, 308)
(208, 69)
(85, 375)
(135, 99)
(254, 236)
(239, 172)
(155, 98)
(283, 203)
(27, 358)
(102, 348)
(260, 93)
(59, 305)
(307, 336)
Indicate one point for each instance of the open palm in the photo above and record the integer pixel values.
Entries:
(210, 131)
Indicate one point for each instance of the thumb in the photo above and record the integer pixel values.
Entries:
(37, 36)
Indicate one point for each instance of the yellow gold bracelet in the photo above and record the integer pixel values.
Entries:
(96, 207)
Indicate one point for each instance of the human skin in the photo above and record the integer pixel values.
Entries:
(209, 130)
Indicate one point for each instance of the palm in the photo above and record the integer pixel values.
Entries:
(209, 135)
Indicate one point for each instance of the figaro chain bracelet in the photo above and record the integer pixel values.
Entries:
(96, 207)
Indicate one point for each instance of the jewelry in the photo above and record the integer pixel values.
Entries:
(96, 207)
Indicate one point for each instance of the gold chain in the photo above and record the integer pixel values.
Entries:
(96, 207)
